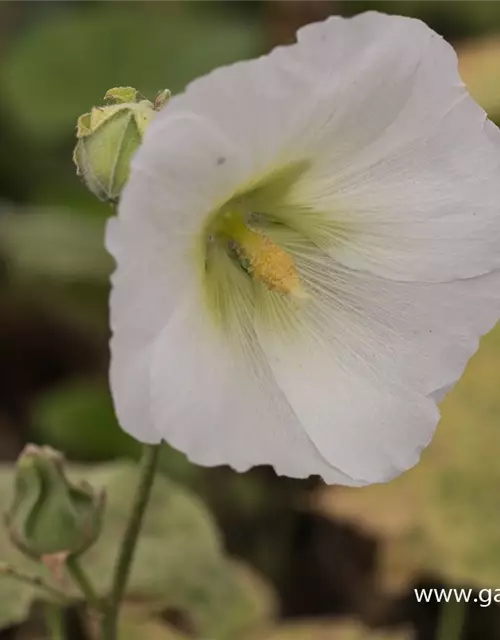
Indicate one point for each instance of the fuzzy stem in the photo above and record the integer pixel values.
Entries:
(451, 621)
(54, 621)
(81, 579)
(148, 468)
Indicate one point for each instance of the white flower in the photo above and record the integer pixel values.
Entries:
(306, 255)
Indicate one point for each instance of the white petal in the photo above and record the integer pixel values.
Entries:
(129, 378)
(427, 332)
(440, 394)
(370, 356)
(415, 190)
(138, 307)
(160, 219)
(424, 210)
(368, 427)
(217, 408)
(153, 241)
(320, 90)
(399, 154)
(419, 334)
(404, 163)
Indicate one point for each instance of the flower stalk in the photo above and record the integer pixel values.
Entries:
(81, 579)
(451, 622)
(107, 138)
(148, 468)
(54, 621)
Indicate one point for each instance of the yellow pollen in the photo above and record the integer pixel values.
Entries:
(265, 261)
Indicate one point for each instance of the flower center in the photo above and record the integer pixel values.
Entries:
(260, 257)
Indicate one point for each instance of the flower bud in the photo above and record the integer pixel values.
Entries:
(49, 514)
(108, 137)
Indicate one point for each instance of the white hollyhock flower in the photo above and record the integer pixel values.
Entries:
(306, 255)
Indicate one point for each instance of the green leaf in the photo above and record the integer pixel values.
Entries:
(49, 83)
(56, 244)
(179, 562)
(79, 419)
(337, 630)
(231, 617)
(134, 626)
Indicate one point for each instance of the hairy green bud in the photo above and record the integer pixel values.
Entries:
(49, 514)
(109, 136)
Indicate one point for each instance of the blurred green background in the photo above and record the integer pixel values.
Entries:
(319, 562)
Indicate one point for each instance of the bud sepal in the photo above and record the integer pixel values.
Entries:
(50, 515)
(109, 136)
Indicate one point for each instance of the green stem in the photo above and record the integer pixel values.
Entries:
(81, 579)
(54, 621)
(148, 467)
(451, 621)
